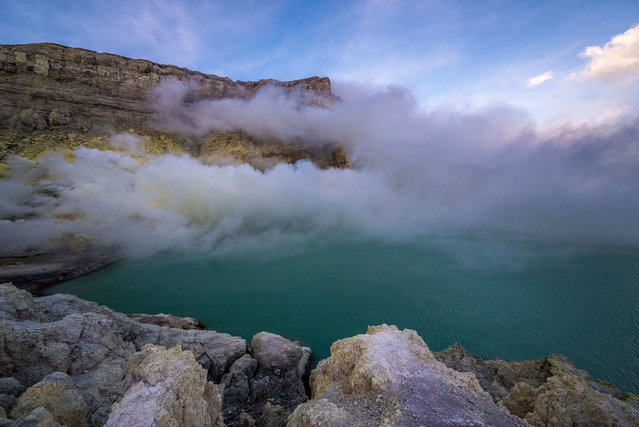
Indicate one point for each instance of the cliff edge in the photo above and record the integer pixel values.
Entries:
(57, 97)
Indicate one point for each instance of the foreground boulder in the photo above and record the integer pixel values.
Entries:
(66, 361)
(390, 377)
(167, 387)
(57, 394)
(547, 392)
(267, 385)
(90, 343)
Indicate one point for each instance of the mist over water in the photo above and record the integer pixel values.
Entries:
(416, 174)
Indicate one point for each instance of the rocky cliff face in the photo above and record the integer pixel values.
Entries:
(53, 96)
(64, 86)
(66, 361)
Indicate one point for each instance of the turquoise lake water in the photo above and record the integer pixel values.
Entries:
(498, 298)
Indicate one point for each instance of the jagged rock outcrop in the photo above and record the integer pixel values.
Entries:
(66, 361)
(266, 385)
(278, 372)
(390, 377)
(58, 97)
(39, 417)
(62, 333)
(547, 392)
(48, 341)
(166, 388)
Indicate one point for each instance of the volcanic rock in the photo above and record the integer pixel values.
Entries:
(63, 333)
(57, 394)
(390, 377)
(54, 97)
(167, 387)
(547, 392)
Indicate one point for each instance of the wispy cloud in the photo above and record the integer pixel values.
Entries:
(612, 115)
(617, 60)
(540, 79)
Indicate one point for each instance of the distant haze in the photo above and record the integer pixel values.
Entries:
(415, 174)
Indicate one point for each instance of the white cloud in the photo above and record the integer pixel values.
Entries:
(540, 79)
(617, 60)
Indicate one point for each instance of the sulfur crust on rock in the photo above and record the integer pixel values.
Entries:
(167, 387)
(390, 377)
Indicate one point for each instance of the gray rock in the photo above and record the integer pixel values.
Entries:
(278, 374)
(549, 391)
(59, 118)
(244, 420)
(273, 416)
(237, 382)
(39, 417)
(215, 351)
(168, 321)
(29, 120)
(10, 389)
(63, 333)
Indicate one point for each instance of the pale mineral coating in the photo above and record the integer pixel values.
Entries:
(547, 392)
(319, 412)
(57, 394)
(390, 377)
(167, 387)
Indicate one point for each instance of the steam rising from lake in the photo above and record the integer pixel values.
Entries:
(415, 174)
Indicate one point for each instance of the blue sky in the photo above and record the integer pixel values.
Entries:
(460, 54)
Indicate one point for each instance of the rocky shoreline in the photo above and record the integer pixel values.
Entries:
(67, 361)
(37, 272)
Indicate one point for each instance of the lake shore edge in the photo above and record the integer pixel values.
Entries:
(61, 345)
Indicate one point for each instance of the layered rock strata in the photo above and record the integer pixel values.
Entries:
(57, 97)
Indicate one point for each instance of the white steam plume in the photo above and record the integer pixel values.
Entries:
(415, 174)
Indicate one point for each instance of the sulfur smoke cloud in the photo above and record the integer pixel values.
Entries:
(417, 174)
